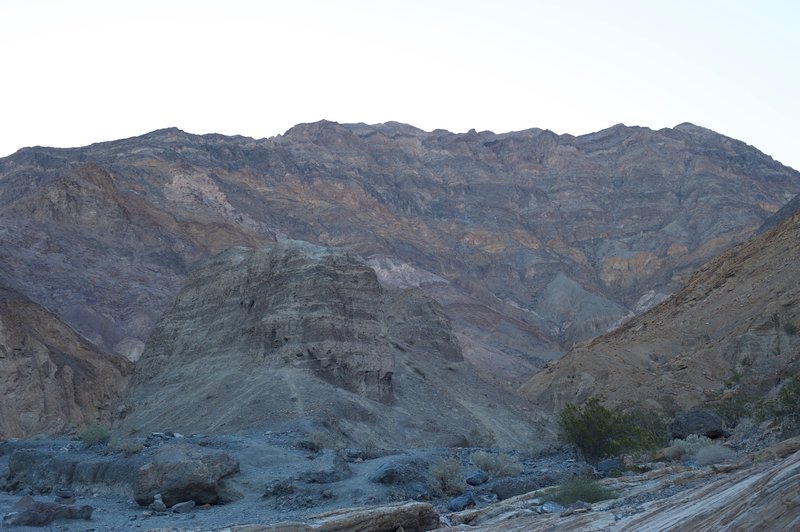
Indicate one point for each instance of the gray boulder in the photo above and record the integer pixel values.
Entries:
(399, 471)
(462, 502)
(326, 468)
(29, 512)
(701, 422)
(184, 472)
(477, 478)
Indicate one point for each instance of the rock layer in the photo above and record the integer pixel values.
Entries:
(105, 235)
(302, 334)
(52, 380)
(733, 324)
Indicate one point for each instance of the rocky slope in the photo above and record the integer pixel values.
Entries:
(304, 335)
(733, 325)
(530, 240)
(52, 379)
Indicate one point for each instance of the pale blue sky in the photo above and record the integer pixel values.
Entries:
(85, 71)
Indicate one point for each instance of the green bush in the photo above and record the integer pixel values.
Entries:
(688, 447)
(581, 489)
(496, 464)
(599, 432)
(714, 454)
(445, 478)
(94, 434)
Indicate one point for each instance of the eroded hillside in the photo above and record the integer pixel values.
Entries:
(530, 240)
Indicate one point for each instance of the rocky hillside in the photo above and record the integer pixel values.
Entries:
(733, 326)
(303, 335)
(52, 379)
(530, 240)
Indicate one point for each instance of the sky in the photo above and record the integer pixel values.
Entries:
(77, 72)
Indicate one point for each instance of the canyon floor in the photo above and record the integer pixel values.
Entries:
(285, 483)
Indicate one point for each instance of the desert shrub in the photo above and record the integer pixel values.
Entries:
(496, 464)
(599, 432)
(713, 454)
(688, 447)
(125, 447)
(445, 478)
(581, 489)
(732, 408)
(94, 434)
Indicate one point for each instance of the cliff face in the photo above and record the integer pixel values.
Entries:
(530, 240)
(297, 333)
(735, 321)
(52, 380)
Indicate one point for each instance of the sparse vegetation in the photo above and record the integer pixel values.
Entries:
(93, 435)
(688, 447)
(496, 464)
(599, 432)
(713, 454)
(581, 489)
(790, 328)
(124, 446)
(445, 478)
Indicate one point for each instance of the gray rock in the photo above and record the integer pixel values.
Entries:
(610, 466)
(551, 507)
(701, 422)
(183, 507)
(462, 502)
(158, 504)
(30, 512)
(326, 468)
(506, 487)
(184, 472)
(399, 471)
(477, 478)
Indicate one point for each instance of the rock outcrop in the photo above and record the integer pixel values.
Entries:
(105, 235)
(304, 334)
(734, 325)
(51, 379)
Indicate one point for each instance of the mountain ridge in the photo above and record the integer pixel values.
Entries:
(623, 213)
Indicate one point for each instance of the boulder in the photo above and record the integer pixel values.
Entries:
(184, 472)
(417, 516)
(462, 502)
(399, 471)
(701, 422)
(326, 468)
(30, 512)
(476, 478)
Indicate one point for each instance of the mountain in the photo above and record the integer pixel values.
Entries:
(300, 334)
(531, 241)
(52, 379)
(734, 324)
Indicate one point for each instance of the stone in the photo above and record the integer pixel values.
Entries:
(183, 507)
(30, 512)
(700, 422)
(551, 507)
(184, 472)
(399, 471)
(476, 478)
(462, 502)
(610, 467)
(157, 505)
(327, 467)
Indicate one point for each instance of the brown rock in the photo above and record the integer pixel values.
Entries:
(184, 472)
(51, 378)
(729, 323)
(29, 512)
